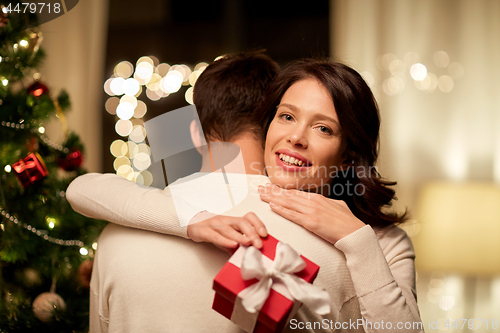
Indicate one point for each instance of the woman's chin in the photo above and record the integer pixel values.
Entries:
(292, 183)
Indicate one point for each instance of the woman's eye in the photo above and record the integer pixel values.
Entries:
(286, 117)
(324, 129)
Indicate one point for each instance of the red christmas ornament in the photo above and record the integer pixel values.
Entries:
(32, 143)
(4, 17)
(37, 89)
(85, 272)
(71, 161)
(30, 169)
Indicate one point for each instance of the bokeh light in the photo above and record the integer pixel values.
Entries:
(200, 66)
(141, 161)
(140, 109)
(123, 127)
(189, 95)
(162, 69)
(118, 148)
(129, 99)
(411, 58)
(397, 67)
(446, 302)
(132, 149)
(119, 161)
(116, 85)
(393, 85)
(455, 70)
(144, 177)
(138, 133)
(145, 59)
(131, 87)
(124, 69)
(368, 77)
(107, 87)
(155, 60)
(126, 171)
(445, 83)
(112, 104)
(154, 82)
(173, 81)
(125, 111)
(418, 71)
(441, 59)
(151, 94)
(144, 70)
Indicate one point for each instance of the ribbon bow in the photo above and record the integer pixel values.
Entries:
(286, 262)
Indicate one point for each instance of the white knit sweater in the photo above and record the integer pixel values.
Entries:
(156, 282)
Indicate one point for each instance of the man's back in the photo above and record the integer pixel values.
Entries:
(149, 282)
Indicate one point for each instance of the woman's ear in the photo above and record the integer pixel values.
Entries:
(195, 135)
(347, 160)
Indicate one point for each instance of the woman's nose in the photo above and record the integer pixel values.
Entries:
(298, 139)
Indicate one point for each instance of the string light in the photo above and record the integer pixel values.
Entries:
(53, 145)
(41, 233)
(12, 125)
(41, 130)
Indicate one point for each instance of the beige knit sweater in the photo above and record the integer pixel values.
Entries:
(155, 282)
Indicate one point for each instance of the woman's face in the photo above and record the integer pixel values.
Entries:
(304, 144)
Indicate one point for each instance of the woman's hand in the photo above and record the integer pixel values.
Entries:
(328, 218)
(226, 232)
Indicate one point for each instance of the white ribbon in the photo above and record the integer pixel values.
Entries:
(286, 262)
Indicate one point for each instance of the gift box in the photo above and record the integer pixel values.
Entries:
(30, 169)
(265, 303)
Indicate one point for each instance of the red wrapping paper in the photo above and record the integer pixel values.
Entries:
(30, 169)
(275, 312)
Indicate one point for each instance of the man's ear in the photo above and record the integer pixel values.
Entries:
(195, 135)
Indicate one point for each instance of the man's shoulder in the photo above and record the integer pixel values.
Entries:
(221, 179)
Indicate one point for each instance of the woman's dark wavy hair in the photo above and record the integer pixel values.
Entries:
(359, 120)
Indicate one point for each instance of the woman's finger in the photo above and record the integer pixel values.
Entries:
(275, 189)
(295, 203)
(290, 215)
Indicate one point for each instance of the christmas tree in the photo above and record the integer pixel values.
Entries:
(45, 247)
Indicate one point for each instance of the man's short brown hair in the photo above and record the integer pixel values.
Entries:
(229, 92)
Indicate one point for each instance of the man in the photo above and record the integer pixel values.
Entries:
(152, 282)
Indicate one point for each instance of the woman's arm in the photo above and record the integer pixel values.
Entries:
(115, 199)
(383, 274)
(382, 269)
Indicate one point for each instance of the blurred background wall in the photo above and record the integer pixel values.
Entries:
(433, 68)
(431, 64)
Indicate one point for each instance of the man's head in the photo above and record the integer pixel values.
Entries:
(229, 92)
